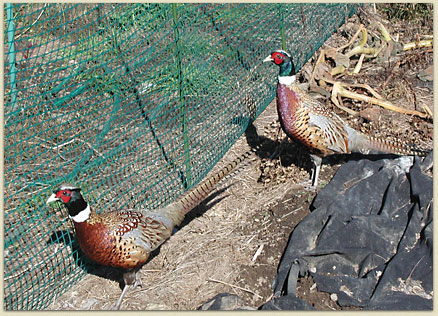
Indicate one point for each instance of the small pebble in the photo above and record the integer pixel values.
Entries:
(334, 297)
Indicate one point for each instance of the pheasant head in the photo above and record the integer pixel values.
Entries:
(71, 197)
(283, 59)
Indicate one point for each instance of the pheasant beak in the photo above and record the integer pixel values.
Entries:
(269, 58)
(52, 198)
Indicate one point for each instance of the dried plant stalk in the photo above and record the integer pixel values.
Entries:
(383, 103)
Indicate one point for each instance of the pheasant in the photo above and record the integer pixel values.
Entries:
(124, 239)
(320, 130)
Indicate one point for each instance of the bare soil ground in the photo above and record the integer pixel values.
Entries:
(233, 242)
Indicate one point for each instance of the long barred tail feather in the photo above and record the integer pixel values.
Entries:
(197, 194)
(386, 146)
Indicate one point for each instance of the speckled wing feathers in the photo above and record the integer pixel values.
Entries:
(147, 231)
(335, 136)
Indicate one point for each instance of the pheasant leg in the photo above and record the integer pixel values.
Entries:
(119, 301)
(315, 174)
(130, 278)
(137, 281)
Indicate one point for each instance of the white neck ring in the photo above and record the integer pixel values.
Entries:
(287, 80)
(82, 216)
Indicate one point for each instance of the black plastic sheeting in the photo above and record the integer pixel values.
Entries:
(368, 239)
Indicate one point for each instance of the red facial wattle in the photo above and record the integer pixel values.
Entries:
(64, 195)
(278, 58)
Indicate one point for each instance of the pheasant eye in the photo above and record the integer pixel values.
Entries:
(64, 195)
(278, 58)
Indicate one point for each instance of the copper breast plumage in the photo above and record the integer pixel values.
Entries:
(120, 239)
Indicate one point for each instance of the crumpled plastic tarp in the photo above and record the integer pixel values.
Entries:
(368, 239)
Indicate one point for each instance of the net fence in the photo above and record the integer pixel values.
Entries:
(134, 103)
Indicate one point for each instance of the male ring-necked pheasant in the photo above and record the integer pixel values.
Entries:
(319, 129)
(124, 239)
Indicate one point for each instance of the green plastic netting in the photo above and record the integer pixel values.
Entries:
(134, 103)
